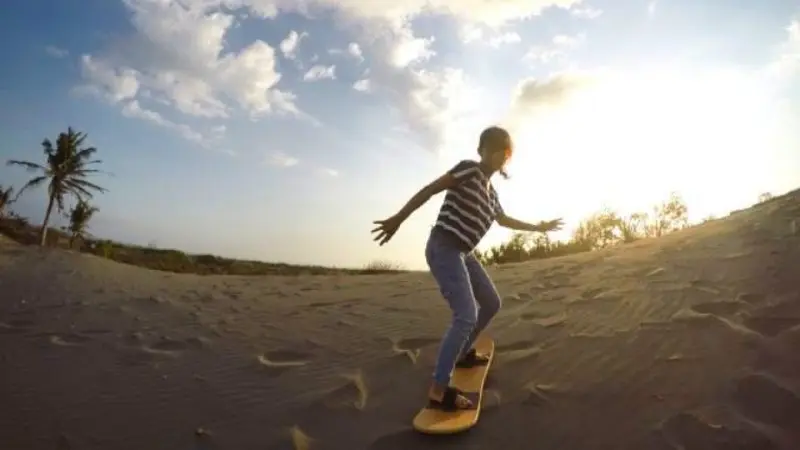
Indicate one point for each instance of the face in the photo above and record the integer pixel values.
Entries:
(497, 156)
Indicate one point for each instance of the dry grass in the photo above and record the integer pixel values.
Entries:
(170, 260)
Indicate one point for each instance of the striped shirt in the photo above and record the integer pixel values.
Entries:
(470, 207)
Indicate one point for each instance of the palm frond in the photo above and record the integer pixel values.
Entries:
(31, 184)
(85, 153)
(86, 184)
(27, 165)
(81, 192)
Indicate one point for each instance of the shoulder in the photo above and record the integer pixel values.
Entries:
(464, 167)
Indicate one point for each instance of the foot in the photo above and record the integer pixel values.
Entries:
(472, 359)
(448, 399)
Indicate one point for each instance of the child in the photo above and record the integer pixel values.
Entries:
(469, 208)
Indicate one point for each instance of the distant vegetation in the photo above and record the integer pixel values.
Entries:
(602, 229)
(69, 163)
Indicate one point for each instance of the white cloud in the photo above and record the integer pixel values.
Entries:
(532, 92)
(362, 85)
(586, 12)
(56, 52)
(473, 33)
(409, 49)
(133, 109)
(787, 64)
(556, 50)
(328, 172)
(320, 72)
(489, 12)
(430, 102)
(651, 8)
(289, 45)
(177, 56)
(533, 95)
(280, 159)
(505, 38)
(112, 83)
(355, 50)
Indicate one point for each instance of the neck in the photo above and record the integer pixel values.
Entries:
(486, 168)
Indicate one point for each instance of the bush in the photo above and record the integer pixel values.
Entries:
(602, 229)
(382, 266)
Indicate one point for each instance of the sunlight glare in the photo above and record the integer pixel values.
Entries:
(631, 138)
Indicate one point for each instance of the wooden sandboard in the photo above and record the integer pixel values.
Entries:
(471, 382)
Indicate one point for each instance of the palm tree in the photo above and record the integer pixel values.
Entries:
(66, 168)
(5, 199)
(79, 219)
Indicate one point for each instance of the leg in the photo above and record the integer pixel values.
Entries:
(448, 268)
(486, 296)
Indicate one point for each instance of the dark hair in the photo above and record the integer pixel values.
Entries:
(494, 138)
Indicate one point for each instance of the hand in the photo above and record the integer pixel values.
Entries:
(386, 229)
(551, 225)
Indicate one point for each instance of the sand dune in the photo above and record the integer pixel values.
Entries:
(689, 342)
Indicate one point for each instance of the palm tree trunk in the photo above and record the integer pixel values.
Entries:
(43, 231)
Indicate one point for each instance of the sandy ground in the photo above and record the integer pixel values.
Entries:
(689, 342)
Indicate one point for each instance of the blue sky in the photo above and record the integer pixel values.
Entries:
(280, 129)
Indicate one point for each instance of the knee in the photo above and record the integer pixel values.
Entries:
(493, 305)
(466, 319)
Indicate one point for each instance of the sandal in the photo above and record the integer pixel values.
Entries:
(472, 359)
(448, 402)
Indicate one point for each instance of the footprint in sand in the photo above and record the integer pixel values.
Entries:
(520, 354)
(416, 342)
(704, 286)
(514, 346)
(763, 399)
(688, 432)
(167, 345)
(516, 299)
(771, 326)
(750, 298)
(411, 347)
(283, 359)
(774, 319)
(96, 331)
(541, 394)
(720, 308)
(653, 272)
(300, 440)
(16, 325)
(545, 320)
(353, 394)
(69, 339)
(151, 300)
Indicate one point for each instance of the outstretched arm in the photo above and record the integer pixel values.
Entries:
(452, 177)
(388, 227)
(509, 222)
(424, 194)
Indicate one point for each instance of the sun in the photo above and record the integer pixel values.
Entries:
(631, 137)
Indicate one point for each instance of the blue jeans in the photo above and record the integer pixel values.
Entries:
(470, 293)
